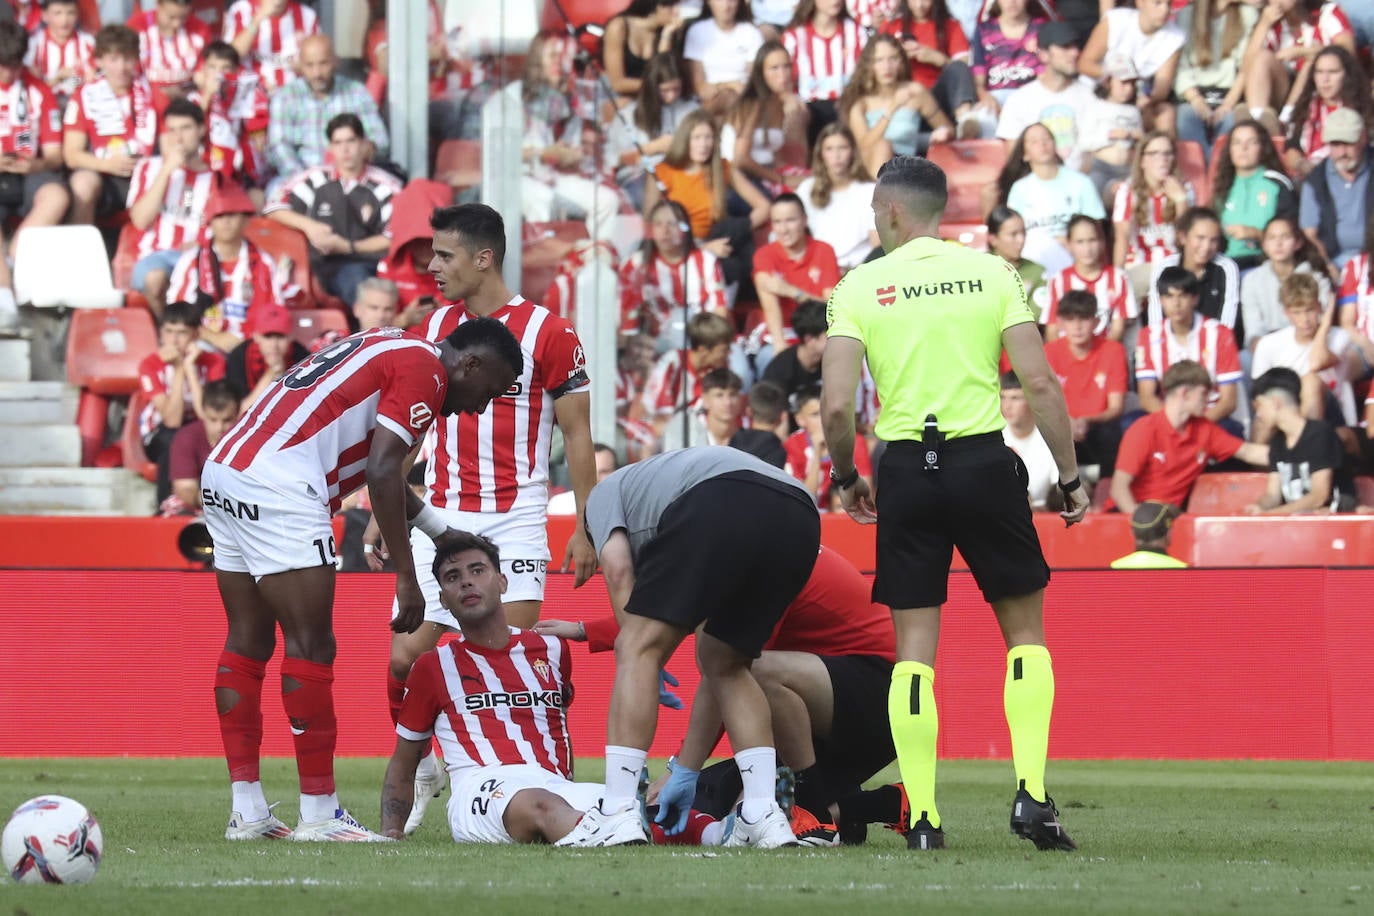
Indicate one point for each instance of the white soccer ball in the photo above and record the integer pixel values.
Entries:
(51, 839)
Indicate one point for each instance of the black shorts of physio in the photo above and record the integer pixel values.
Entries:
(18, 191)
(732, 552)
(860, 742)
(976, 501)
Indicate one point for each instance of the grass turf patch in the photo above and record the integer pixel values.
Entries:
(1156, 837)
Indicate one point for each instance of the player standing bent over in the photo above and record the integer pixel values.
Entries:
(932, 319)
(345, 417)
(489, 473)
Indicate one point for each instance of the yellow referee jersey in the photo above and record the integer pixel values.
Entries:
(931, 316)
(1148, 559)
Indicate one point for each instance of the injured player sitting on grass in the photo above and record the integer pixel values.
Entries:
(508, 754)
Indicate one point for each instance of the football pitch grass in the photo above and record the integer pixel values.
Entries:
(1154, 837)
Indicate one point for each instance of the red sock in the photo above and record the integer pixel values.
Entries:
(310, 709)
(395, 693)
(690, 835)
(240, 727)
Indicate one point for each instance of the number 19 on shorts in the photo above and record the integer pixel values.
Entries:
(329, 556)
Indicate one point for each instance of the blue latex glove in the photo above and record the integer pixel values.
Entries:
(665, 696)
(675, 799)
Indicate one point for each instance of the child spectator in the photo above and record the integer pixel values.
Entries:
(236, 116)
(716, 421)
(1312, 348)
(1217, 275)
(1108, 285)
(1308, 471)
(824, 42)
(719, 47)
(794, 268)
(939, 54)
(769, 425)
(1251, 189)
(1111, 127)
(1183, 334)
(1146, 208)
(764, 137)
(170, 41)
(1287, 252)
(226, 276)
(1163, 454)
(172, 380)
(219, 409)
(838, 197)
(1092, 371)
(668, 280)
(799, 366)
(674, 387)
(1022, 437)
(60, 54)
(110, 124)
(1036, 184)
(268, 35)
(1151, 523)
(633, 365)
(265, 356)
(1153, 42)
(808, 457)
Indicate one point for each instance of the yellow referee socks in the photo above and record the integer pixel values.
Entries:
(1029, 699)
(915, 726)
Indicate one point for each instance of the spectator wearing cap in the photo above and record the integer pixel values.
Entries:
(226, 275)
(266, 355)
(1336, 197)
(1154, 43)
(1053, 98)
(1151, 523)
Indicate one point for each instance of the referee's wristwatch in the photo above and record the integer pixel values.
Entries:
(844, 482)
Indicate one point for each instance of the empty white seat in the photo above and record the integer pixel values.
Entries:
(64, 267)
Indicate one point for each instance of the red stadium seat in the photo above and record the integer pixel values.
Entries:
(284, 242)
(104, 348)
(970, 235)
(131, 443)
(308, 324)
(1192, 164)
(1226, 494)
(459, 163)
(126, 256)
(970, 165)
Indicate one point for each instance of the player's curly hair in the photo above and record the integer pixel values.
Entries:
(488, 334)
(453, 544)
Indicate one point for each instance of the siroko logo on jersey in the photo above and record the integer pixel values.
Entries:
(887, 295)
(213, 499)
(420, 415)
(525, 699)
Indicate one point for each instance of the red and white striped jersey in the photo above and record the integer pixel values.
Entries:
(183, 205)
(28, 116)
(249, 281)
(652, 297)
(873, 13)
(28, 13)
(312, 429)
(1155, 238)
(823, 66)
(1311, 136)
(493, 707)
(229, 125)
(169, 60)
(278, 42)
(113, 123)
(46, 58)
(1210, 343)
(1321, 29)
(663, 392)
(498, 460)
(1115, 297)
(155, 377)
(1357, 291)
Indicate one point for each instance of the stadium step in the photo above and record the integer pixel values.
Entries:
(40, 445)
(28, 403)
(14, 360)
(74, 491)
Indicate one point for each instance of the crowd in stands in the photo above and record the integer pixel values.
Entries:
(1182, 186)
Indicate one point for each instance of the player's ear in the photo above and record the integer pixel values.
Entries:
(504, 582)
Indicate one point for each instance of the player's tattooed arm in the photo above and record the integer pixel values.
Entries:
(398, 786)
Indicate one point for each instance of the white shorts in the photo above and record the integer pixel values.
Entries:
(261, 531)
(523, 539)
(477, 806)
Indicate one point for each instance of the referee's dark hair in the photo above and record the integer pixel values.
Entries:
(456, 543)
(347, 119)
(922, 179)
(1279, 380)
(490, 334)
(476, 225)
(1178, 279)
(1078, 303)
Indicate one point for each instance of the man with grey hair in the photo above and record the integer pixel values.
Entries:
(375, 304)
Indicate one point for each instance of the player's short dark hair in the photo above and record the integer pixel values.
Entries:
(476, 225)
(14, 43)
(1078, 303)
(220, 394)
(707, 329)
(1177, 279)
(1185, 373)
(721, 378)
(809, 319)
(347, 119)
(1009, 381)
(184, 313)
(1299, 289)
(184, 108)
(1278, 380)
(490, 334)
(921, 178)
(767, 402)
(1194, 215)
(116, 39)
(457, 543)
(222, 50)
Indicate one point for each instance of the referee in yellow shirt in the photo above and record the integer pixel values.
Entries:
(932, 319)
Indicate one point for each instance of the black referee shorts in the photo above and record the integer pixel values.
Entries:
(976, 502)
(860, 742)
(732, 552)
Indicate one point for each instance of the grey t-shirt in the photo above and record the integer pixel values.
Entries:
(635, 497)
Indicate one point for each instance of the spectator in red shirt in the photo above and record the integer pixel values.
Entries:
(1163, 454)
(236, 114)
(170, 41)
(219, 408)
(808, 458)
(266, 355)
(172, 380)
(1092, 371)
(406, 262)
(110, 124)
(939, 53)
(793, 268)
(60, 54)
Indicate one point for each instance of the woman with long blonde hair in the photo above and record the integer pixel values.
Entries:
(886, 111)
(1146, 207)
(1209, 82)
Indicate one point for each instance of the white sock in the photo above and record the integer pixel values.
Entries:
(758, 769)
(429, 766)
(249, 802)
(623, 766)
(318, 807)
(1256, 112)
(713, 834)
